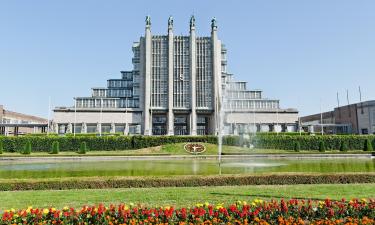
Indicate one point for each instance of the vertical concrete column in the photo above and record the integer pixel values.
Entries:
(84, 128)
(216, 73)
(193, 61)
(113, 128)
(147, 77)
(170, 77)
(56, 128)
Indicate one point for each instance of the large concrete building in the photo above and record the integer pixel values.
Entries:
(179, 85)
(358, 118)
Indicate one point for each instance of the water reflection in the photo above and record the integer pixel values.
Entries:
(180, 167)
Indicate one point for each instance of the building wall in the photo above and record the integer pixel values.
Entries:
(177, 88)
(10, 117)
(366, 117)
(347, 115)
(262, 118)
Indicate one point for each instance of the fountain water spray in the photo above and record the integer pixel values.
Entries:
(220, 121)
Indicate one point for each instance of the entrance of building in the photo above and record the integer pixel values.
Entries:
(181, 126)
(159, 124)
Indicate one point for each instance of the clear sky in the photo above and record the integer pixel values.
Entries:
(296, 51)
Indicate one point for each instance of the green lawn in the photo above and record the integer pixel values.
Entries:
(181, 196)
(175, 149)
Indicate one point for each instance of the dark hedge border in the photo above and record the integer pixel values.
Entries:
(110, 143)
(189, 181)
(104, 143)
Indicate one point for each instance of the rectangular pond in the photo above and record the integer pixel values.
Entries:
(22, 169)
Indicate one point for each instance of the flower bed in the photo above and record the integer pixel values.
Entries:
(257, 212)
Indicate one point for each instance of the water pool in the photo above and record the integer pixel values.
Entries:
(102, 168)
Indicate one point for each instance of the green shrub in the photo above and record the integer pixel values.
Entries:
(111, 143)
(55, 147)
(368, 146)
(343, 146)
(297, 146)
(322, 146)
(1, 146)
(27, 148)
(185, 181)
(83, 148)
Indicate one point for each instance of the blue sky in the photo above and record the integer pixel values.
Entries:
(297, 51)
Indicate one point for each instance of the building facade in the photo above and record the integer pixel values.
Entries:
(358, 118)
(15, 123)
(179, 85)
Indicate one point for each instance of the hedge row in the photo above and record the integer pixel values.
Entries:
(331, 142)
(186, 181)
(107, 143)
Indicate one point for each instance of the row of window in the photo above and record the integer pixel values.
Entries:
(244, 94)
(127, 75)
(107, 103)
(119, 83)
(99, 92)
(105, 128)
(204, 74)
(250, 104)
(240, 86)
(119, 93)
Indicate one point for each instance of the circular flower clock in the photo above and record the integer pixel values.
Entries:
(194, 148)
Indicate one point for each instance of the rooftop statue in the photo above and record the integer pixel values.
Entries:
(170, 21)
(192, 21)
(148, 20)
(213, 23)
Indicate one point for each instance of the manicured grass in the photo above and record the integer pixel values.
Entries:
(176, 149)
(181, 196)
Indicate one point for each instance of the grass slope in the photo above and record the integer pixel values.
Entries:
(181, 196)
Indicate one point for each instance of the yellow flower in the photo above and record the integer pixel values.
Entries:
(206, 204)
(219, 207)
(45, 211)
(131, 204)
(28, 210)
(53, 209)
(253, 204)
(66, 208)
(12, 210)
(364, 200)
(244, 203)
(126, 207)
(167, 207)
(199, 205)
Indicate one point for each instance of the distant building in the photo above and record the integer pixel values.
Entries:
(358, 118)
(15, 123)
(179, 85)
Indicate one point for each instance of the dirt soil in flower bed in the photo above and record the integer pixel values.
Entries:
(292, 211)
(184, 181)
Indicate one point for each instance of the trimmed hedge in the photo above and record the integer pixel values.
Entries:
(108, 143)
(1, 147)
(95, 143)
(55, 147)
(331, 142)
(186, 181)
